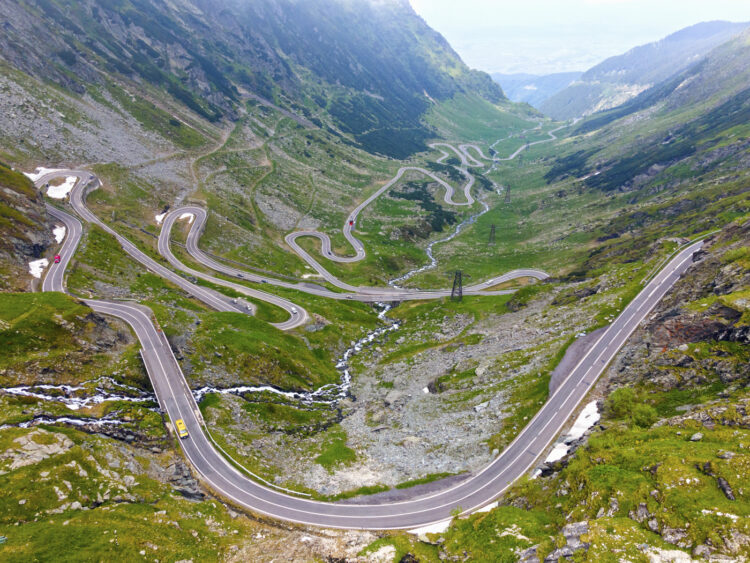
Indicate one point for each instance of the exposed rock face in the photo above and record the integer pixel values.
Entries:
(25, 229)
(705, 306)
(93, 334)
(726, 488)
(572, 533)
(184, 482)
(33, 448)
(574, 544)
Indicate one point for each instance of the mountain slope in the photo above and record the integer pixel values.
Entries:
(701, 113)
(532, 88)
(25, 230)
(368, 66)
(621, 78)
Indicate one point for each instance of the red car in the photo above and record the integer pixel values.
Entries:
(351, 222)
(57, 258)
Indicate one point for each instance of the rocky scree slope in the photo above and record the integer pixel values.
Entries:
(25, 229)
(711, 306)
(368, 68)
(663, 475)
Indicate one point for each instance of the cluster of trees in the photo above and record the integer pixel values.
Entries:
(437, 217)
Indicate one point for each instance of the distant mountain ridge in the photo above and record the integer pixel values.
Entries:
(621, 78)
(534, 89)
(698, 119)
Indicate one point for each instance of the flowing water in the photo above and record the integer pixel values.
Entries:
(328, 394)
(88, 422)
(433, 261)
(332, 393)
(79, 396)
(76, 396)
(468, 221)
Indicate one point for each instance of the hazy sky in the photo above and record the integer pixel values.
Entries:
(544, 36)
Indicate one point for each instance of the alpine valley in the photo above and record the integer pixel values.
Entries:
(287, 280)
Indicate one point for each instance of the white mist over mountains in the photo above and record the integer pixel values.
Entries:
(547, 36)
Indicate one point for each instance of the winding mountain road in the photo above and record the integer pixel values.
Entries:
(467, 160)
(177, 401)
(354, 292)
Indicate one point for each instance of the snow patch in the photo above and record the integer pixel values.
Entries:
(437, 528)
(487, 508)
(59, 232)
(588, 417)
(160, 218)
(557, 453)
(36, 267)
(59, 192)
(732, 517)
(34, 176)
(188, 216)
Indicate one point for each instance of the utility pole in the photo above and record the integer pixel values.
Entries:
(507, 194)
(492, 234)
(457, 293)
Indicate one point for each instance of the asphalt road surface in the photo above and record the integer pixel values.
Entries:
(208, 296)
(479, 489)
(199, 216)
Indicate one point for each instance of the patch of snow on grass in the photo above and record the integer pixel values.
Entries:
(59, 192)
(437, 528)
(34, 176)
(732, 517)
(557, 453)
(588, 417)
(59, 232)
(160, 218)
(487, 508)
(36, 267)
(188, 216)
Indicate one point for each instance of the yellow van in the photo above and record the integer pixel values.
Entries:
(179, 424)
